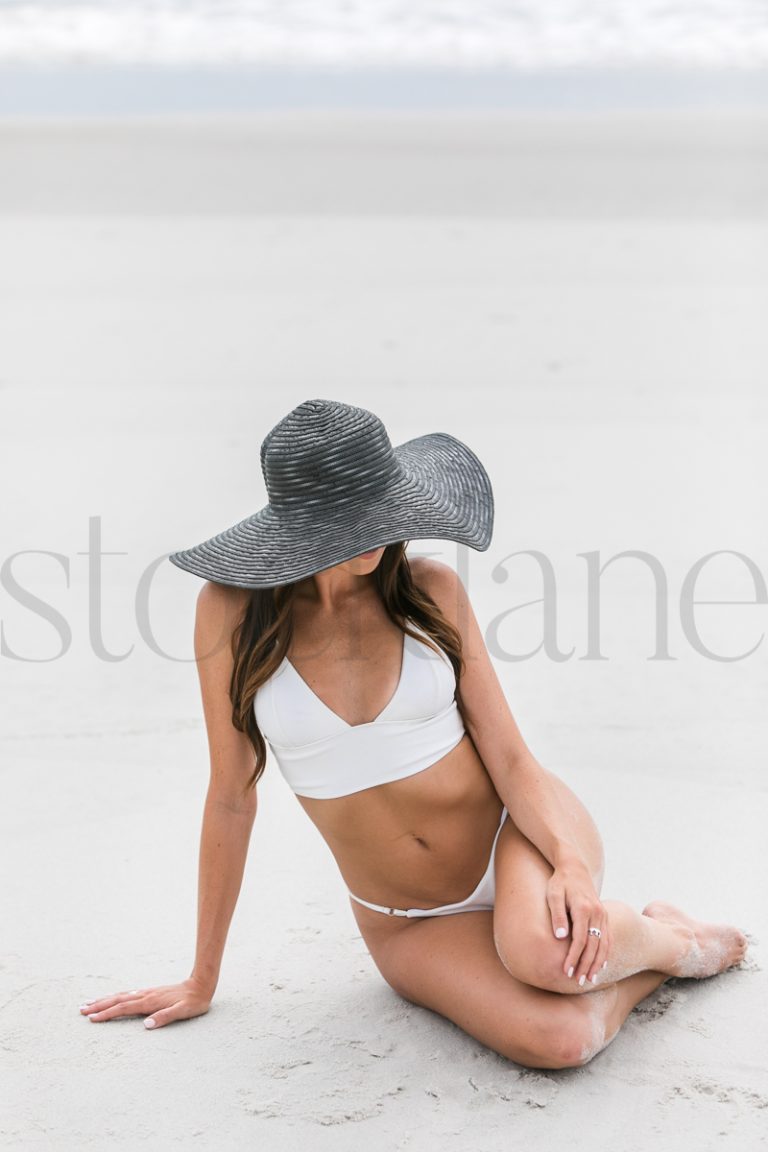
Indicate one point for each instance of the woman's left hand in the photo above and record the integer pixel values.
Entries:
(570, 891)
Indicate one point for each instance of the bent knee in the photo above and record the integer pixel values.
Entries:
(568, 1043)
(535, 958)
(568, 1053)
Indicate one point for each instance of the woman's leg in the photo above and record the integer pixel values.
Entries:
(449, 964)
(662, 938)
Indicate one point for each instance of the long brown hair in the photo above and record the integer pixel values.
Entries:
(263, 635)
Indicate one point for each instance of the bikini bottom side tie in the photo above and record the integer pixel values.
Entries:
(482, 899)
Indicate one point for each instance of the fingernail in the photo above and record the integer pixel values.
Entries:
(92, 1015)
(582, 978)
(594, 978)
(561, 932)
(570, 972)
(605, 963)
(149, 1022)
(84, 1006)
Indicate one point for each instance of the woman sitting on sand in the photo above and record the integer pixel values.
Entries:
(369, 677)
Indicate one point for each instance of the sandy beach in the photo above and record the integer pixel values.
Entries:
(582, 300)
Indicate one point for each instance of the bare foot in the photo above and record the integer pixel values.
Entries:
(707, 949)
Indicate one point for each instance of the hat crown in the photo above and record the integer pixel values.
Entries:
(324, 451)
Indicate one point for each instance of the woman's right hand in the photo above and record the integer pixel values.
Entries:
(160, 1005)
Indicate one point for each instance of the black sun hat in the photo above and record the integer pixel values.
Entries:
(337, 488)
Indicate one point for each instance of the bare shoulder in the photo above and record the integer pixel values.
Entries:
(434, 576)
(221, 600)
(219, 609)
(446, 588)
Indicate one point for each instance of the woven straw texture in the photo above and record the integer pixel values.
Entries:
(337, 488)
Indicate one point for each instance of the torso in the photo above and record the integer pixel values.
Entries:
(412, 843)
(420, 841)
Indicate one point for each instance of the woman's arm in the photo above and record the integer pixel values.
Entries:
(227, 822)
(228, 816)
(536, 807)
(526, 788)
(223, 850)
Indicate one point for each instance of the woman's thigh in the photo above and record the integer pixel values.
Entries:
(522, 921)
(450, 965)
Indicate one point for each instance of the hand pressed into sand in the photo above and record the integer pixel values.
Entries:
(160, 1005)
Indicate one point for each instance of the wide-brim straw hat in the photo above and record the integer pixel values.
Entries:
(337, 488)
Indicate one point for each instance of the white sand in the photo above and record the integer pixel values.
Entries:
(607, 362)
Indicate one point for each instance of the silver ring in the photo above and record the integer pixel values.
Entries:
(594, 932)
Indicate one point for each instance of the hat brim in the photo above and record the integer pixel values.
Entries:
(441, 492)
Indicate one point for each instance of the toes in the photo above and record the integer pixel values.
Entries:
(740, 947)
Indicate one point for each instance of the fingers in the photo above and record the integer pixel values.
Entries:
(586, 962)
(107, 1001)
(120, 1004)
(588, 953)
(164, 1016)
(595, 950)
(580, 917)
(557, 910)
(159, 1005)
(600, 960)
(570, 895)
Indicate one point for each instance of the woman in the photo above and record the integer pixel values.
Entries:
(368, 675)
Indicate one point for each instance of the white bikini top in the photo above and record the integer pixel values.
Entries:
(321, 755)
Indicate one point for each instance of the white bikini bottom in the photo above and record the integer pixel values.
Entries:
(482, 899)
